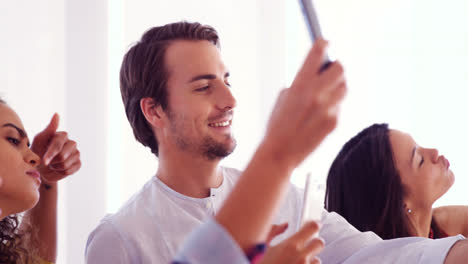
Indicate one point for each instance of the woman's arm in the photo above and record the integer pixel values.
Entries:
(452, 219)
(43, 218)
(59, 159)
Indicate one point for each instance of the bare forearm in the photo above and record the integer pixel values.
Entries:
(43, 218)
(452, 219)
(300, 120)
(253, 212)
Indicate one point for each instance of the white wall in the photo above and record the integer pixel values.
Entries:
(405, 65)
(32, 73)
(86, 98)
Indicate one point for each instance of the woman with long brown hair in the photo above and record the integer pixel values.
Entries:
(383, 181)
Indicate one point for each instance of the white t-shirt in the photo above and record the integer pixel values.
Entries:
(210, 243)
(154, 223)
(152, 226)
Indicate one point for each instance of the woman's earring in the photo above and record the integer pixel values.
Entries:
(409, 211)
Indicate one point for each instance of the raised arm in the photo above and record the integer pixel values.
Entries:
(302, 117)
(59, 159)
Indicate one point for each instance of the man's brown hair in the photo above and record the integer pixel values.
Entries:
(143, 72)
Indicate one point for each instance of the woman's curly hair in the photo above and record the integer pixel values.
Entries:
(14, 242)
(17, 245)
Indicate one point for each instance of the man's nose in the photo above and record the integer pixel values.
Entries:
(226, 100)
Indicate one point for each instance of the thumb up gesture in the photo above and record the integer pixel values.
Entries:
(59, 155)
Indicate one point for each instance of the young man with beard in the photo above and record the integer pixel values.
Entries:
(177, 98)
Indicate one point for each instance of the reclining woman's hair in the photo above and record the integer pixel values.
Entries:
(365, 187)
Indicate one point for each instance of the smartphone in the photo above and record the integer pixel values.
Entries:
(314, 195)
(313, 26)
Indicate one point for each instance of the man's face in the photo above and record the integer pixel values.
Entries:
(200, 102)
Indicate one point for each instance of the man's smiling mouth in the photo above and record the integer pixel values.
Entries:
(220, 124)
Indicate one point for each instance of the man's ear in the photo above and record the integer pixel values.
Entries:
(153, 112)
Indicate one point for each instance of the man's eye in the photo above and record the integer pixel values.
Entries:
(202, 89)
(13, 141)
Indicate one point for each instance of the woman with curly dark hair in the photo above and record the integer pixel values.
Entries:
(28, 183)
(383, 181)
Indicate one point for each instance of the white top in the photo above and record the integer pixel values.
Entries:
(153, 224)
(210, 243)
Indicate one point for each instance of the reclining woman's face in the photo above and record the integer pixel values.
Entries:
(20, 180)
(424, 174)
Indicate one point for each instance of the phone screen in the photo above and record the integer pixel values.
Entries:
(314, 195)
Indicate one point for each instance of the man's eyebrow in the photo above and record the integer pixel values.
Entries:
(206, 77)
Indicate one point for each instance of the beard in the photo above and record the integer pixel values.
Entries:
(212, 149)
(208, 147)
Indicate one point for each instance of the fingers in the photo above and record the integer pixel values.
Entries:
(332, 77)
(311, 67)
(67, 160)
(323, 91)
(58, 175)
(312, 249)
(61, 164)
(314, 260)
(53, 125)
(305, 233)
(334, 73)
(71, 169)
(325, 103)
(275, 231)
(328, 84)
(297, 249)
(68, 149)
(316, 56)
(336, 96)
(309, 248)
(56, 145)
(51, 128)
